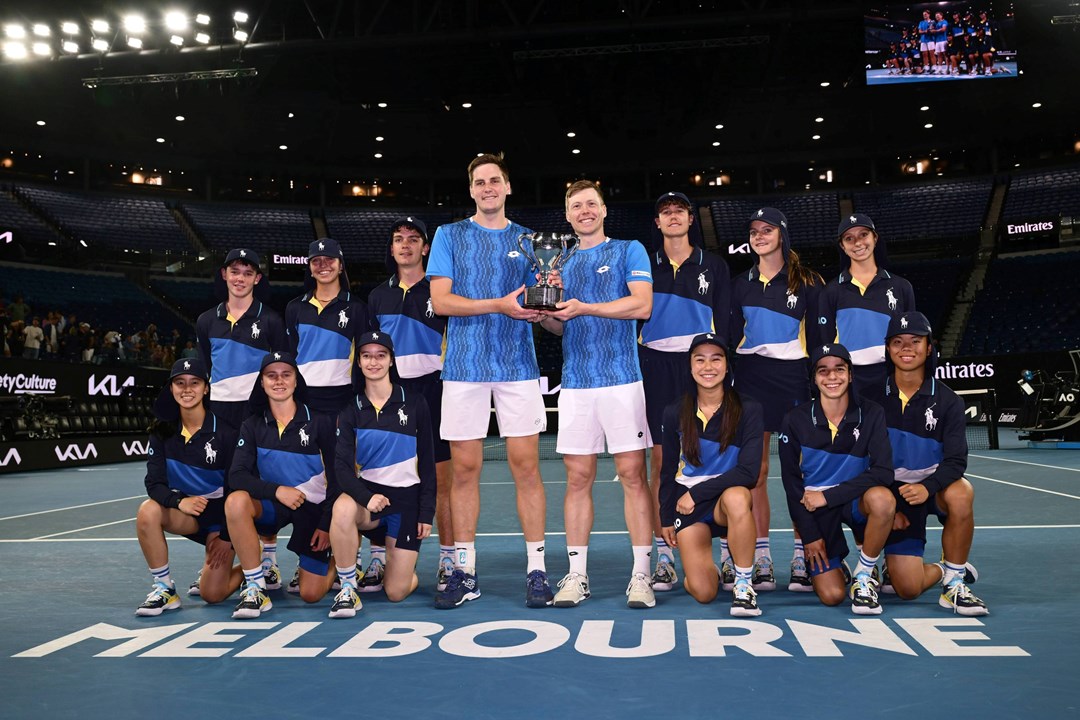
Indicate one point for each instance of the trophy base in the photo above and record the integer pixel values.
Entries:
(542, 297)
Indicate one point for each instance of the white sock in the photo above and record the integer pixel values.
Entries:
(866, 563)
(347, 575)
(465, 556)
(378, 553)
(255, 576)
(642, 559)
(798, 554)
(579, 558)
(663, 551)
(744, 573)
(162, 575)
(269, 553)
(951, 571)
(761, 548)
(725, 552)
(534, 554)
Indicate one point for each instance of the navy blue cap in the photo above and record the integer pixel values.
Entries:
(707, 339)
(670, 197)
(190, 366)
(278, 356)
(853, 221)
(375, 338)
(249, 256)
(777, 219)
(909, 323)
(829, 350)
(325, 247)
(258, 401)
(410, 221)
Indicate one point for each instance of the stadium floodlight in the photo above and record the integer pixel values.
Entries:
(42, 30)
(70, 46)
(283, 147)
(177, 40)
(240, 16)
(160, 140)
(40, 123)
(176, 21)
(15, 31)
(179, 118)
(99, 26)
(240, 35)
(202, 19)
(14, 51)
(69, 28)
(100, 44)
(135, 42)
(202, 38)
(42, 49)
(135, 24)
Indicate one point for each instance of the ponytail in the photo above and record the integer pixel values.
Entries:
(800, 276)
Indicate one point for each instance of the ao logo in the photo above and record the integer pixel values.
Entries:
(74, 452)
(1067, 397)
(108, 385)
(135, 447)
(12, 454)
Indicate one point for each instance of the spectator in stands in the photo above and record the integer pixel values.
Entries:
(774, 311)
(88, 342)
(113, 347)
(53, 329)
(19, 310)
(16, 339)
(33, 336)
(401, 307)
(177, 342)
(927, 429)
(152, 333)
(691, 295)
(156, 354)
(857, 305)
(189, 350)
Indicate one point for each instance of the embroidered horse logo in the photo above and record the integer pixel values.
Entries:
(702, 284)
(342, 319)
(304, 437)
(211, 453)
(430, 311)
(855, 433)
(903, 322)
(931, 421)
(792, 300)
(892, 299)
(255, 330)
(403, 419)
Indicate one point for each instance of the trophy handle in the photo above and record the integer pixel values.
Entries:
(525, 244)
(570, 245)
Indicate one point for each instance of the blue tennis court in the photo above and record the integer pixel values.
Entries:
(72, 575)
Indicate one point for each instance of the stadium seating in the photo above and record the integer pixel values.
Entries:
(264, 229)
(27, 227)
(934, 211)
(1041, 194)
(122, 223)
(812, 217)
(364, 234)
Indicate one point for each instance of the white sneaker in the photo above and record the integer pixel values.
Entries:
(664, 578)
(639, 593)
(572, 590)
(744, 601)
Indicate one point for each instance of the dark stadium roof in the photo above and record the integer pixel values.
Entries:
(642, 84)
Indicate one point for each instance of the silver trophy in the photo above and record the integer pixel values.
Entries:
(547, 252)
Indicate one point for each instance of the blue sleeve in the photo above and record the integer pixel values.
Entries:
(790, 452)
(748, 466)
(441, 257)
(638, 268)
(670, 490)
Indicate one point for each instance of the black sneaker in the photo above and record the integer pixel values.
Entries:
(460, 588)
(253, 602)
(664, 577)
(864, 595)
(744, 601)
(346, 603)
(538, 590)
(800, 577)
(958, 596)
(161, 598)
(886, 581)
(727, 576)
(193, 589)
(372, 581)
(272, 576)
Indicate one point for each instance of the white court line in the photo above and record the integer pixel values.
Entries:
(49, 538)
(92, 527)
(1026, 487)
(1024, 462)
(72, 507)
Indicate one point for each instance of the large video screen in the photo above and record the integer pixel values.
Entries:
(940, 42)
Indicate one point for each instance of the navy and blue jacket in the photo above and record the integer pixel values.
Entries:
(768, 320)
(391, 446)
(324, 345)
(233, 352)
(687, 301)
(176, 469)
(928, 435)
(843, 468)
(406, 315)
(300, 457)
(859, 320)
(738, 465)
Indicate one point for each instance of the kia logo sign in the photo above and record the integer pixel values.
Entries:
(12, 455)
(135, 447)
(74, 452)
(108, 385)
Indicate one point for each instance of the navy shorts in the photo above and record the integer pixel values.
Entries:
(212, 520)
(779, 385)
(665, 377)
(304, 521)
(703, 512)
(430, 386)
(400, 518)
(830, 522)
